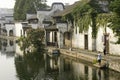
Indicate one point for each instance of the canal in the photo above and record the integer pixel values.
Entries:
(14, 65)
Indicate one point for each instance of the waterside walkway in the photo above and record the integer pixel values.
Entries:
(113, 62)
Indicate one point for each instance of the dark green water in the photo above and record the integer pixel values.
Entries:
(16, 66)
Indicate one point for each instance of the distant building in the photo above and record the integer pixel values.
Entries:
(6, 22)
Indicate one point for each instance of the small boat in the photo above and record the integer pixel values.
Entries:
(56, 52)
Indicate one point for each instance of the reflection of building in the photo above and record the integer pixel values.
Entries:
(8, 47)
(51, 63)
(70, 69)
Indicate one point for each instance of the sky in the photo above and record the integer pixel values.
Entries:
(10, 3)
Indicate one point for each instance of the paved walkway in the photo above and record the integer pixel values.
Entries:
(94, 54)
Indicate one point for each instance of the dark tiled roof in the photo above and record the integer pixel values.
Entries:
(50, 8)
(51, 28)
(67, 10)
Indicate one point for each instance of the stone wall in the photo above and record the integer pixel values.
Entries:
(115, 65)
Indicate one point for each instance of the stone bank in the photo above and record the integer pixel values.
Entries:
(113, 61)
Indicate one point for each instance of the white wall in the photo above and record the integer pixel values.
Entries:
(113, 47)
(18, 29)
(100, 40)
(78, 38)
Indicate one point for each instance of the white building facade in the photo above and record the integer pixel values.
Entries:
(78, 40)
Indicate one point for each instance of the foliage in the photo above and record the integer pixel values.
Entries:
(104, 20)
(90, 13)
(22, 7)
(115, 8)
(33, 41)
(36, 37)
(81, 15)
(85, 15)
(23, 43)
(69, 18)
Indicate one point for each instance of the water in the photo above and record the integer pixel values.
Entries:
(16, 66)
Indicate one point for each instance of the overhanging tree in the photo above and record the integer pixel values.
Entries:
(86, 16)
(115, 8)
(33, 41)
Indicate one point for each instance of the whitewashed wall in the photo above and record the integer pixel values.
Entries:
(113, 47)
(18, 29)
(78, 38)
(100, 40)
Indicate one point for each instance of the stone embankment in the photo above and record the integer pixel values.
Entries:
(9, 37)
(113, 62)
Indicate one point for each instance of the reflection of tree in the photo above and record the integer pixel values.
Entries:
(28, 67)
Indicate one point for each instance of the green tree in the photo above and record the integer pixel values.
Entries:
(22, 7)
(33, 41)
(115, 8)
(86, 15)
(31, 59)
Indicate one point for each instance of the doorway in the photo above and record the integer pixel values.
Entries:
(86, 42)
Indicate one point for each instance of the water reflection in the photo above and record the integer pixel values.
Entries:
(39, 66)
(59, 68)
(7, 47)
(29, 66)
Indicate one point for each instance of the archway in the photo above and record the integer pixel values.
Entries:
(67, 39)
(11, 33)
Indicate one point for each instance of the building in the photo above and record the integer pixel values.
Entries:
(6, 22)
(66, 34)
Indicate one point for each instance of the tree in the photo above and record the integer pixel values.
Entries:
(33, 41)
(31, 59)
(86, 15)
(22, 7)
(115, 8)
